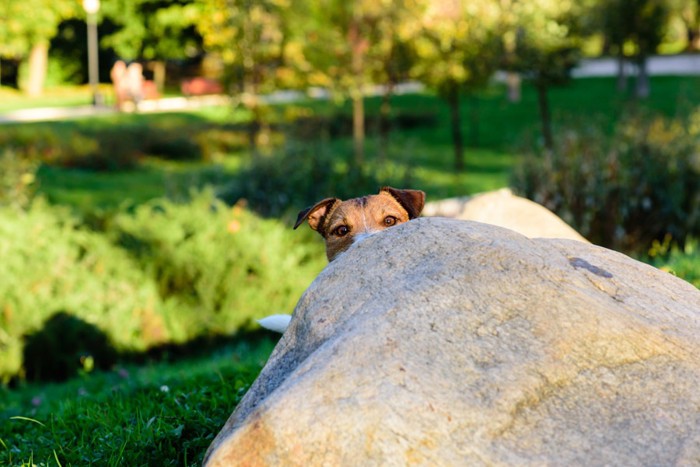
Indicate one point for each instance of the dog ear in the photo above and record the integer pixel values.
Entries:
(316, 214)
(411, 200)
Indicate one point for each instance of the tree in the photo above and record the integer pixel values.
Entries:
(639, 23)
(546, 48)
(155, 30)
(348, 46)
(338, 39)
(26, 27)
(688, 12)
(251, 38)
(390, 57)
(458, 48)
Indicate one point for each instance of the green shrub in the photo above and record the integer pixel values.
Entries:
(339, 124)
(622, 191)
(17, 179)
(162, 273)
(224, 265)
(39, 143)
(68, 148)
(120, 146)
(215, 143)
(49, 264)
(113, 149)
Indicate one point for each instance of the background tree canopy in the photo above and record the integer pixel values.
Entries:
(259, 46)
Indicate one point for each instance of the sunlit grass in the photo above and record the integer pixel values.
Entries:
(65, 96)
(90, 190)
(158, 414)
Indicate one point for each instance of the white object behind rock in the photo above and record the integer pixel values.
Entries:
(276, 323)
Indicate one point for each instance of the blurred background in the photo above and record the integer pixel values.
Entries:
(154, 154)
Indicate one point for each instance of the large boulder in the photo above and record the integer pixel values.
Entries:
(446, 342)
(505, 209)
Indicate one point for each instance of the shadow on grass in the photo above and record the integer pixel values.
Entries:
(67, 346)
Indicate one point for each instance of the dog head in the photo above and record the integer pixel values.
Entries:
(342, 223)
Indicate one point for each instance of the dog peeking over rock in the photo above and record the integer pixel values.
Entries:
(342, 223)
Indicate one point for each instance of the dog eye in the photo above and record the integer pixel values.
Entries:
(341, 231)
(389, 221)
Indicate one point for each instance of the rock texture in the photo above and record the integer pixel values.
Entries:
(504, 209)
(446, 342)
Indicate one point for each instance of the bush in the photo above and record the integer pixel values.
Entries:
(164, 273)
(119, 147)
(215, 143)
(17, 179)
(224, 265)
(70, 148)
(622, 191)
(50, 265)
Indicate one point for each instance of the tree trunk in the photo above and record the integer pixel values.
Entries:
(252, 103)
(358, 46)
(513, 82)
(456, 126)
(385, 123)
(38, 65)
(545, 116)
(474, 120)
(621, 75)
(358, 129)
(159, 75)
(693, 37)
(642, 87)
(253, 129)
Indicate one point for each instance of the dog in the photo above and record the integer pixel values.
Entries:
(343, 223)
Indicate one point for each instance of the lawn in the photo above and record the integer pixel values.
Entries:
(69, 96)
(495, 131)
(166, 411)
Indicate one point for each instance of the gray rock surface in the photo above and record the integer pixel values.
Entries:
(446, 342)
(504, 209)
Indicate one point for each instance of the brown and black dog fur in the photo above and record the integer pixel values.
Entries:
(342, 223)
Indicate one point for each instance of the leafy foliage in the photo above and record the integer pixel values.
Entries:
(119, 147)
(622, 191)
(29, 21)
(17, 179)
(163, 273)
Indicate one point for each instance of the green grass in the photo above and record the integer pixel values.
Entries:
(495, 131)
(157, 414)
(69, 96)
(89, 191)
(425, 150)
(683, 262)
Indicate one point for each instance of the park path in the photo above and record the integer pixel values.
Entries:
(671, 65)
(678, 65)
(167, 104)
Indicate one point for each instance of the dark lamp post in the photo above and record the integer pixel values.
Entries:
(91, 8)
